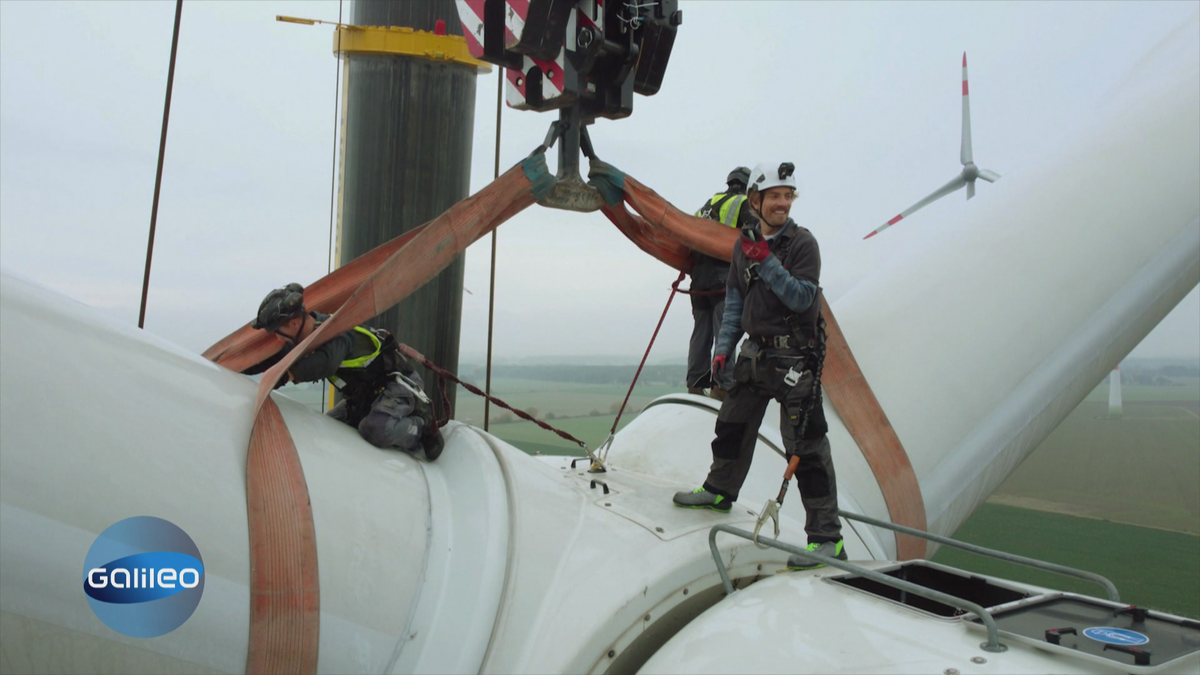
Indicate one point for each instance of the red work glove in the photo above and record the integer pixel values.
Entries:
(754, 246)
(718, 363)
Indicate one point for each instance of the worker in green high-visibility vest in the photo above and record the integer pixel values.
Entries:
(708, 286)
(382, 393)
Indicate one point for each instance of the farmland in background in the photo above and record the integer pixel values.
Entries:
(1142, 468)
(1151, 568)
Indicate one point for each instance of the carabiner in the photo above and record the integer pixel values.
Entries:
(769, 510)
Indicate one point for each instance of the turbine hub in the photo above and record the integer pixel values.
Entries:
(970, 172)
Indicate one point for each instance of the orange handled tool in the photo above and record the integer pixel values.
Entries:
(770, 510)
(793, 462)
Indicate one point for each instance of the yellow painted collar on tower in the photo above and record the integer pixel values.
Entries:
(352, 40)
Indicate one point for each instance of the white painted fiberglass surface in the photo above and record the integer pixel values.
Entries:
(103, 422)
(978, 348)
(802, 623)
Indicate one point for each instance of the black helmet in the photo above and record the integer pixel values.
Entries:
(739, 176)
(280, 305)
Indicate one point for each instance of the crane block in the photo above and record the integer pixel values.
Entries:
(559, 53)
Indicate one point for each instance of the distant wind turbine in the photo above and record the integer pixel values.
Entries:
(1114, 392)
(969, 172)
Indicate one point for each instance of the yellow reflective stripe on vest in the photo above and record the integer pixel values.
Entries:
(728, 213)
(711, 203)
(364, 360)
(360, 362)
(729, 210)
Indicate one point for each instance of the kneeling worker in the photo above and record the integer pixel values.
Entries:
(382, 394)
(773, 294)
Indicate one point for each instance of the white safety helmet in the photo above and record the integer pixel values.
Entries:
(768, 175)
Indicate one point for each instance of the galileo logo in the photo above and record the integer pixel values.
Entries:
(143, 577)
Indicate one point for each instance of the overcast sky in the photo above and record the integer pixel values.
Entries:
(863, 97)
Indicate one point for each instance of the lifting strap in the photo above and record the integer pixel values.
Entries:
(649, 239)
(284, 581)
(284, 584)
(843, 380)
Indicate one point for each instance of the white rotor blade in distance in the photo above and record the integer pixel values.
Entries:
(970, 189)
(989, 176)
(946, 189)
(965, 155)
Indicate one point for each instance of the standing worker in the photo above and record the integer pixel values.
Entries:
(382, 394)
(774, 296)
(708, 286)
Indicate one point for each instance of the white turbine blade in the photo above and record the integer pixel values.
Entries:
(970, 189)
(946, 189)
(989, 176)
(965, 155)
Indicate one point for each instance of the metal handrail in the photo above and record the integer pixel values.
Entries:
(992, 645)
(1109, 587)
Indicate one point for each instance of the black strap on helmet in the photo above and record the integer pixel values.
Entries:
(280, 305)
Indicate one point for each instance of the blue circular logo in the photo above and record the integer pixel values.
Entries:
(143, 577)
(1116, 636)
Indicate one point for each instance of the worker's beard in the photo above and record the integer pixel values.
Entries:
(777, 220)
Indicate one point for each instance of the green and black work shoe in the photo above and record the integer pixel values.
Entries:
(702, 499)
(825, 548)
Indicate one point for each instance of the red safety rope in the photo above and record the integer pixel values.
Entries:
(674, 290)
(447, 375)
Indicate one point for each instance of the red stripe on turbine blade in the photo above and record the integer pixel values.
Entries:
(895, 220)
(964, 87)
(871, 235)
(964, 59)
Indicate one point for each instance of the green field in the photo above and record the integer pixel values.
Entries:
(1151, 568)
(585, 411)
(561, 399)
(1142, 468)
(1183, 389)
(1104, 491)
(530, 437)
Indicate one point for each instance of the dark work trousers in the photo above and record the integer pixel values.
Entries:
(758, 376)
(706, 311)
(390, 421)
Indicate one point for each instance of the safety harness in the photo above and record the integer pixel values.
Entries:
(716, 209)
(816, 349)
(362, 378)
(812, 349)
